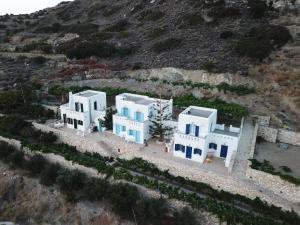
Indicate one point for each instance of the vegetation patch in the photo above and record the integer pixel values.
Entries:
(85, 49)
(151, 15)
(39, 46)
(258, 8)
(260, 41)
(265, 166)
(77, 186)
(157, 32)
(109, 11)
(121, 25)
(23, 100)
(166, 45)
(190, 20)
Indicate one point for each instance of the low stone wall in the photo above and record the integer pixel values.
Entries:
(12, 142)
(272, 135)
(82, 144)
(268, 181)
(274, 183)
(288, 137)
(268, 133)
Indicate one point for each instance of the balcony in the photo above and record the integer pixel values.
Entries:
(188, 139)
(119, 119)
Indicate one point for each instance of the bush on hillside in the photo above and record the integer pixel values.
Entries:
(36, 164)
(260, 41)
(152, 15)
(166, 45)
(49, 174)
(190, 20)
(38, 60)
(258, 8)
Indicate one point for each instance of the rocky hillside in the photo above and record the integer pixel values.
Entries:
(219, 36)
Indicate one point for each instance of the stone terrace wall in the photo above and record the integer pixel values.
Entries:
(83, 144)
(274, 183)
(268, 181)
(272, 135)
(268, 133)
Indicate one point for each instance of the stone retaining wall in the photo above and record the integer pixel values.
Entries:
(268, 181)
(274, 183)
(82, 144)
(272, 135)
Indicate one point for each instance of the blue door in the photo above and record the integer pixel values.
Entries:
(137, 136)
(118, 129)
(224, 150)
(197, 130)
(188, 153)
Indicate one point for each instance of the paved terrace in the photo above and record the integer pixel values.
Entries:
(214, 173)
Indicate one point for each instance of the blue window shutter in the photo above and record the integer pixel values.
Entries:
(183, 148)
(142, 117)
(187, 128)
(128, 113)
(177, 147)
(136, 116)
(215, 146)
(197, 131)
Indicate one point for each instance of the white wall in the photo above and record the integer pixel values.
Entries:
(203, 123)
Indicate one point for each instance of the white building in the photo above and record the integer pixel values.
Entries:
(198, 135)
(132, 120)
(84, 110)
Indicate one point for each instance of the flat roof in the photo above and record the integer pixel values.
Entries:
(199, 111)
(88, 93)
(226, 132)
(140, 99)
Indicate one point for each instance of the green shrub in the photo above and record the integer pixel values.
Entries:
(259, 41)
(208, 65)
(124, 198)
(41, 46)
(166, 45)
(157, 32)
(151, 15)
(49, 174)
(226, 34)
(258, 8)
(38, 60)
(96, 189)
(16, 159)
(35, 165)
(121, 25)
(185, 217)
(220, 12)
(111, 10)
(101, 49)
(70, 181)
(48, 138)
(6, 150)
(190, 20)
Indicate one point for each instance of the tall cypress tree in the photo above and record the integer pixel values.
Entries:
(160, 114)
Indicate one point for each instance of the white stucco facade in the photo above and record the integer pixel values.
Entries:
(198, 136)
(84, 110)
(132, 120)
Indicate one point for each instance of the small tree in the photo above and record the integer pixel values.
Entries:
(108, 119)
(160, 114)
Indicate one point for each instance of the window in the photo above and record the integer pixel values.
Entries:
(95, 105)
(197, 151)
(179, 147)
(197, 131)
(76, 107)
(212, 146)
(125, 112)
(130, 132)
(139, 116)
(80, 122)
(81, 106)
(187, 128)
(69, 121)
(123, 128)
